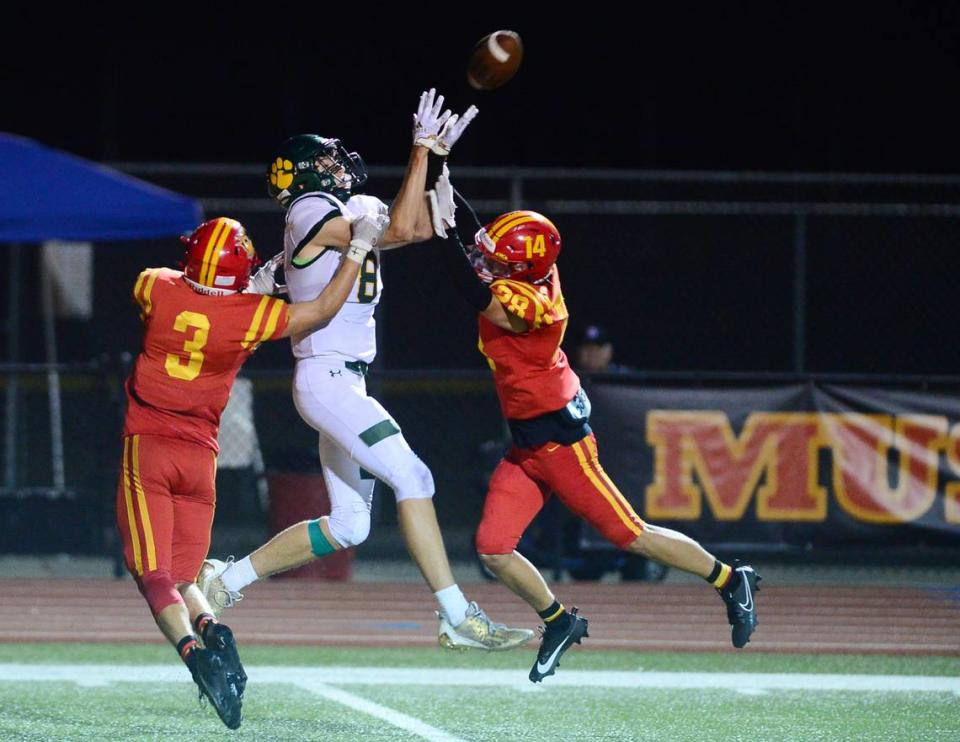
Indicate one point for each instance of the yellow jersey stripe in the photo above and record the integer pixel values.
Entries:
(516, 222)
(537, 299)
(128, 499)
(215, 258)
(255, 324)
(490, 361)
(530, 292)
(137, 286)
(545, 300)
(142, 503)
(272, 319)
(147, 304)
(592, 476)
(205, 264)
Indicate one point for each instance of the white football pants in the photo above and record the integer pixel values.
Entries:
(355, 432)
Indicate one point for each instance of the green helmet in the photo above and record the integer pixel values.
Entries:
(308, 162)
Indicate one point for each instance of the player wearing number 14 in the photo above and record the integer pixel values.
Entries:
(522, 318)
(200, 326)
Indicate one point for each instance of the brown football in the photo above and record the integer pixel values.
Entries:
(495, 59)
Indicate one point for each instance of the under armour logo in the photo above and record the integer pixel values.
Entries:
(335, 372)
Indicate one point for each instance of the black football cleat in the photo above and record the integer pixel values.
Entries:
(739, 595)
(220, 639)
(554, 643)
(209, 674)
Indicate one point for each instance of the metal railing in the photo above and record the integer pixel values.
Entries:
(608, 193)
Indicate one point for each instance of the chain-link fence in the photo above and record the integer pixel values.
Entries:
(689, 272)
(451, 419)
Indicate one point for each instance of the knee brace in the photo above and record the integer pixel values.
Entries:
(159, 590)
(350, 524)
(412, 481)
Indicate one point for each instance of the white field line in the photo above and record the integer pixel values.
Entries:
(95, 674)
(397, 719)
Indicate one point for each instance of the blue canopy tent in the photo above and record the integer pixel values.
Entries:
(45, 195)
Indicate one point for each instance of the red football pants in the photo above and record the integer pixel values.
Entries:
(165, 502)
(525, 479)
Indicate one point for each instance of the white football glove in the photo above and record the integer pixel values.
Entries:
(367, 231)
(428, 121)
(264, 281)
(442, 205)
(452, 130)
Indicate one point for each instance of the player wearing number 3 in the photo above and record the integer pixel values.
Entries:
(200, 326)
(318, 182)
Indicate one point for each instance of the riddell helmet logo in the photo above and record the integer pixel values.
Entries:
(281, 173)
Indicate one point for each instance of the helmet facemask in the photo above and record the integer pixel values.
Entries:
(483, 258)
(341, 173)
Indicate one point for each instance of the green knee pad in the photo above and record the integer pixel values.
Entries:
(319, 544)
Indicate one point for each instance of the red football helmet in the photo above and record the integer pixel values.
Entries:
(220, 257)
(522, 245)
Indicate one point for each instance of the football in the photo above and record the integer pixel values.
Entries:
(495, 59)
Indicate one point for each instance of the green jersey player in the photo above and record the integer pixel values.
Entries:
(318, 183)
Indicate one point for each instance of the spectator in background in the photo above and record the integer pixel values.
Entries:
(509, 277)
(594, 353)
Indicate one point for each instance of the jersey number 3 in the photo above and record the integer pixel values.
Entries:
(200, 324)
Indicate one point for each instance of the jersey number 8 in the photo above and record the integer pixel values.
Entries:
(367, 280)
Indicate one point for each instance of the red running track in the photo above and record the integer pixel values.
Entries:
(636, 616)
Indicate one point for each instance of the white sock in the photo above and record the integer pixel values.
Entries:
(239, 574)
(453, 603)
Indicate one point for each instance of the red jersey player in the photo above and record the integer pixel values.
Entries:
(200, 326)
(522, 321)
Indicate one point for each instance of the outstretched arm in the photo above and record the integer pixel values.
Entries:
(409, 215)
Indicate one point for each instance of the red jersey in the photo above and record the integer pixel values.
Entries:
(193, 347)
(531, 372)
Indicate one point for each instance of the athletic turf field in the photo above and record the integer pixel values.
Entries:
(130, 692)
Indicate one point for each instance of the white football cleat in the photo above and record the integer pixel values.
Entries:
(210, 582)
(477, 631)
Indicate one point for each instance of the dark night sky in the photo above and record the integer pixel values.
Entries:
(738, 86)
(775, 86)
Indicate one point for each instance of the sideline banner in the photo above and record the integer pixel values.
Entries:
(803, 464)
